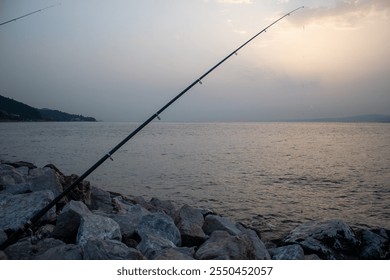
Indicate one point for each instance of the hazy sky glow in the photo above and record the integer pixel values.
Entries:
(121, 60)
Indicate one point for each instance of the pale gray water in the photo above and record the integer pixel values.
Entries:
(269, 175)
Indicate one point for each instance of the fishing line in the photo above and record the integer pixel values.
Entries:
(29, 14)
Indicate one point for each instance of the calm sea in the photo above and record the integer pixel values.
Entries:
(272, 176)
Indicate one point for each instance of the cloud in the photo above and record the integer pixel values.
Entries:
(344, 14)
(242, 31)
(235, 1)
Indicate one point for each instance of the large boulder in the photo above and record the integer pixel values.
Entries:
(129, 220)
(62, 252)
(98, 249)
(224, 246)
(157, 231)
(100, 200)
(189, 221)
(13, 180)
(159, 224)
(332, 239)
(214, 222)
(44, 179)
(373, 246)
(16, 210)
(68, 221)
(10, 176)
(99, 227)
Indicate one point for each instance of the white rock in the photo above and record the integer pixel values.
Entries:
(98, 227)
(16, 210)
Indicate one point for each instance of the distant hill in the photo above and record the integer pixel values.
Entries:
(12, 110)
(55, 115)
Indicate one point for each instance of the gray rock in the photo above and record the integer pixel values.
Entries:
(373, 246)
(331, 239)
(159, 224)
(100, 200)
(189, 221)
(99, 227)
(137, 210)
(214, 222)
(16, 210)
(98, 249)
(224, 246)
(289, 252)
(10, 176)
(127, 224)
(129, 221)
(25, 250)
(180, 253)
(152, 245)
(68, 221)
(62, 252)
(44, 179)
(24, 170)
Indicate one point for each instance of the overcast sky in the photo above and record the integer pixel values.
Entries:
(121, 60)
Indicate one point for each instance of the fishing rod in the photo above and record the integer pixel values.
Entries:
(30, 224)
(29, 14)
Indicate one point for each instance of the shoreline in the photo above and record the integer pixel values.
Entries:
(91, 223)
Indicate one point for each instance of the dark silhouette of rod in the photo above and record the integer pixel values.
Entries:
(29, 14)
(34, 220)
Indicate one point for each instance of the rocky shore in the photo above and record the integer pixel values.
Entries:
(93, 224)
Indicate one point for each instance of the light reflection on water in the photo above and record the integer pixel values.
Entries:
(269, 175)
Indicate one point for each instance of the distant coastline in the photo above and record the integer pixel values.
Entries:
(374, 118)
(15, 111)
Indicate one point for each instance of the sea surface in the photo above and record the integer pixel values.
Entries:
(272, 176)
